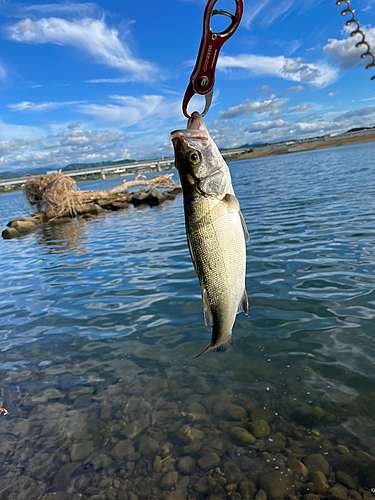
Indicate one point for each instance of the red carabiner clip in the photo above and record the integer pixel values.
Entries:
(202, 78)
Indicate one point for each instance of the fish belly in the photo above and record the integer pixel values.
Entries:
(217, 247)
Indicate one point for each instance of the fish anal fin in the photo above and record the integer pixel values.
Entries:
(244, 228)
(233, 203)
(222, 347)
(243, 305)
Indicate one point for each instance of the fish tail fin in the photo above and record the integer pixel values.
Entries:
(222, 347)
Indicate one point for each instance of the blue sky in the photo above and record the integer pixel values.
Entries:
(94, 81)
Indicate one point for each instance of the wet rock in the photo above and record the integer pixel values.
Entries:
(149, 447)
(196, 408)
(229, 411)
(186, 465)
(79, 451)
(21, 428)
(155, 197)
(338, 492)
(25, 226)
(10, 233)
(158, 464)
(276, 485)
(216, 446)
(241, 435)
(169, 480)
(79, 391)
(58, 495)
(320, 484)
(198, 417)
(365, 457)
(299, 469)
(200, 486)
(308, 416)
(247, 489)
(370, 474)
(161, 416)
(355, 495)
(191, 448)
(317, 462)
(260, 428)
(44, 396)
(346, 463)
(201, 386)
(118, 205)
(313, 496)
(232, 473)
(23, 489)
(276, 442)
(176, 495)
(261, 495)
(209, 461)
(66, 476)
(122, 449)
(136, 427)
(101, 462)
(189, 435)
(346, 480)
(343, 450)
(262, 414)
(106, 412)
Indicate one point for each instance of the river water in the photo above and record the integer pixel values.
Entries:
(101, 320)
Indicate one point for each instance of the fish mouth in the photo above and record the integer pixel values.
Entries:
(195, 131)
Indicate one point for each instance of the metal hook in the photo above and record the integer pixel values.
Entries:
(357, 31)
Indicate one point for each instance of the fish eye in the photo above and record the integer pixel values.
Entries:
(194, 157)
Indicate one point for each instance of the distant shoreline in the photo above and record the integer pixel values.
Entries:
(339, 141)
(272, 151)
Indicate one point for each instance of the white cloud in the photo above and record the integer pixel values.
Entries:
(88, 35)
(38, 106)
(316, 127)
(318, 74)
(267, 12)
(248, 107)
(332, 94)
(345, 51)
(297, 109)
(267, 125)
(129, 111)
(292, 90)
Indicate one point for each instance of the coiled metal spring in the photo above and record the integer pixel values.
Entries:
(357, 31)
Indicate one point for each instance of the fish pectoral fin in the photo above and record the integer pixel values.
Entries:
(232, 202)
(244, 228)
(208, 318)
(222, 347)
(243, 305)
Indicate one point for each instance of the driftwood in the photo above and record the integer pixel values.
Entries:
(56, 195)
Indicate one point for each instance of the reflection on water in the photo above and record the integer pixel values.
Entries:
(101, 320)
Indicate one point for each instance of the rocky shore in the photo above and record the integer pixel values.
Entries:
(24, 225)
(130, 430)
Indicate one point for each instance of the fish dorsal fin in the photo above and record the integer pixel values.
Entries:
(233, 203)
(245, 231)
(243, 306)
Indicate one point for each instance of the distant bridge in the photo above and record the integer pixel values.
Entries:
(136, 167)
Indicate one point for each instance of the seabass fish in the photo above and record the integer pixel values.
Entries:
(215, 229)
